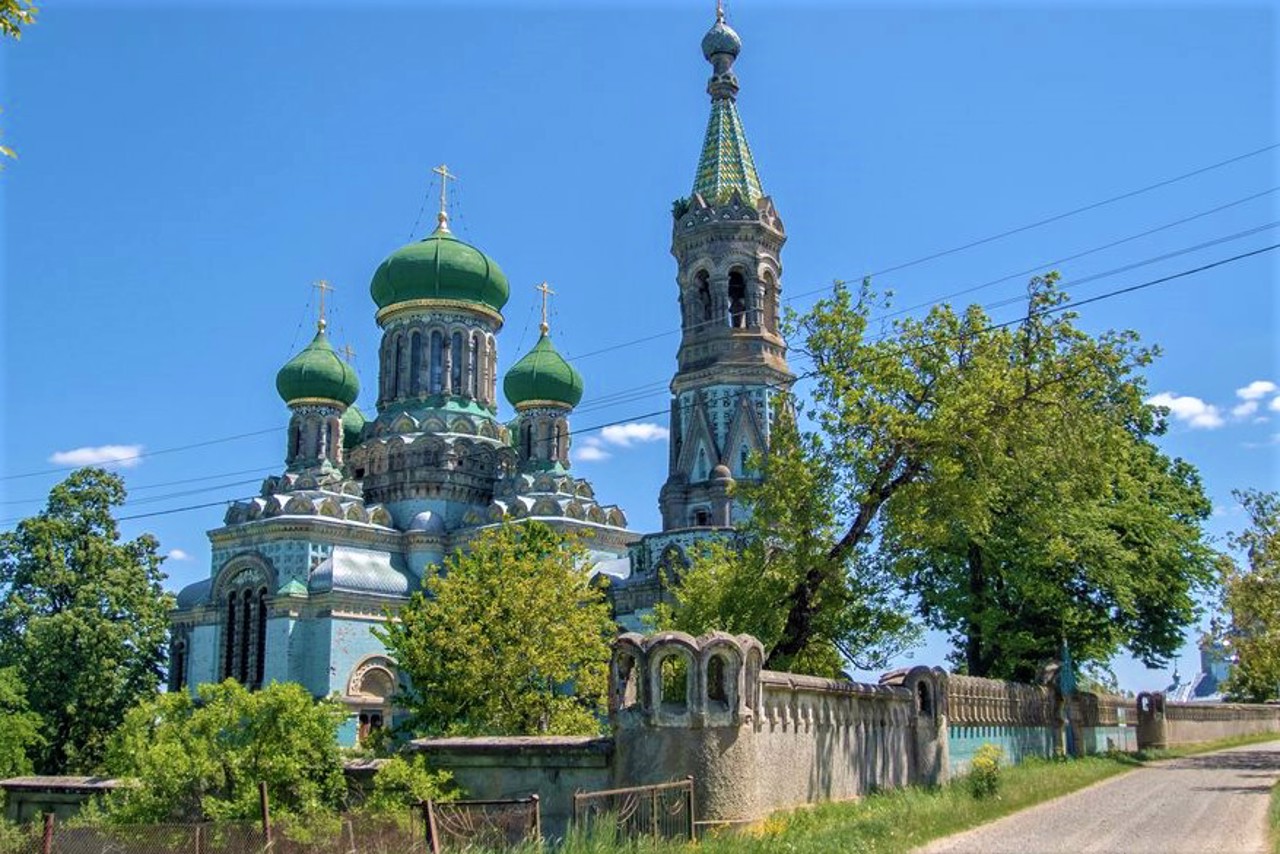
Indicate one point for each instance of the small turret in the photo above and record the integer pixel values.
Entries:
(544, 388)
(318, 387)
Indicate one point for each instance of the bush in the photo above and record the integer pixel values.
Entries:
(984, 771)
(402, 782)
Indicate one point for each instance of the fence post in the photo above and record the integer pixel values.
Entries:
(693, 827)
(433, 833)
(653, 811)
(537, 818)
(199, 839)
(47, 845)
(266, 815)
(351, 837)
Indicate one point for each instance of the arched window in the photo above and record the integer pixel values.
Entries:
(437, 361)
(557, 442)
(229, 638)
(473, 366)
(482, 366)
(674, 681)
(704, 296)
(493, 370)
(260, 640)
(402, 370)
(770, 303)
(178, 663)
(701, 517)
(717, 687)
(526, 440)
(245, 628)
(744, 458)
(415, 362)
(700, 468)
(737, 300)
(455, 374)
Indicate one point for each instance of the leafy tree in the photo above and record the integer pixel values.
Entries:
(735, 586)
(14, 15)
(1004, 474)
(83, 618)
(403, 781)
(509, 639)
(1043, 512)
(202, 758)
(19, 726)
(1251, 598)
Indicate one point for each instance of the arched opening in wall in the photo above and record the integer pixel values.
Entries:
(705, 310)
(673, 680)
(260, 641)
(295, 440)
(492, 391)
(717, 683)
(415, 362)
(178, 664)
(737, 299)
(557, 441)
(402, 370)
(437, 361)
(924, 699)
(455, 372)
(369, 722)
(229, 639)
(627, 693)
(245, 639)
(526, 440)
(770, 303)
(701, 517)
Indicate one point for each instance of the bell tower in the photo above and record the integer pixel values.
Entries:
(727, 240)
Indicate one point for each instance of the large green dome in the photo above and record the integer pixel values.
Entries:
(318, 373)
(543, 375)
(440, 267)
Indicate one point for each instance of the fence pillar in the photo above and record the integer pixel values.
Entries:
(46, 846)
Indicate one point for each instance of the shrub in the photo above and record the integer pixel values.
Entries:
(984, 771)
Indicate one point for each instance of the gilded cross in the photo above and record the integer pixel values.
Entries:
(445, 177)
(546, 291)
(322, 286)
(348, 352)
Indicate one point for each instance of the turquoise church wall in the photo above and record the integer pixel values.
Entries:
(1017, 742)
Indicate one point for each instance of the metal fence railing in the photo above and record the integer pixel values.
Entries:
(663, 811)
(465, 825)
(155, 839)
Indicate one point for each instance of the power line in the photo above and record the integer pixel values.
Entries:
(132, 489)
(147, 454)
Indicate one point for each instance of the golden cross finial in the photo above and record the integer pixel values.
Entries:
(348, 352)
(445, 177)
(322, 285)
(546, 291)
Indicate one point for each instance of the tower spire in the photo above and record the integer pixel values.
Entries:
(442, 218)
(725, 165)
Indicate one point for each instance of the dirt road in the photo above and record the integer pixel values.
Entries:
(1215, 803)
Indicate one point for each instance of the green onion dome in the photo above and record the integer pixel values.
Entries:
(721, 39)
(353, 421)
(318, 373)
(439, 267)
(542, 376)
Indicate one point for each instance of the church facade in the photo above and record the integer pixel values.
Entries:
(365, 508)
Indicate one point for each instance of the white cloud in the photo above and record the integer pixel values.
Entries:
(1245, 409)
(1256, 390)
(1275, 405)
(1194, 411)
(124, 456)
(588, 450)
(624, 435)
(177, 554)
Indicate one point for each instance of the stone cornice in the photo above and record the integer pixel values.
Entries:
(337, 531)
(429, 306)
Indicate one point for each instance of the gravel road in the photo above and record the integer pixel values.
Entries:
(1214, 803)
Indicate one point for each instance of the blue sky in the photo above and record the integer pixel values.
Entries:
(188, 169)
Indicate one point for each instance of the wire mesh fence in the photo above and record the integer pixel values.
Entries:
(155, 839)
(662, 811)
(351, 834)
(467, 825)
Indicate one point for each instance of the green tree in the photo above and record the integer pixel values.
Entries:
(1251, 599)
(83, 618)
(19, 726)
(791, 531)
(509, 639)
(203, 757)
(14, 15)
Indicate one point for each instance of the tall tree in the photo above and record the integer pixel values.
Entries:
(736, 585)
(83, 618)
(19, 726)
(510, 638)
(1251, 599)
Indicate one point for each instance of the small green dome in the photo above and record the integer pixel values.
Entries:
(318, 372)
(439, 267)
(353, 421)
(543, 374)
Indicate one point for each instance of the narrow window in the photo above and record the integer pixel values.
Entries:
(260, 652)
(473, 366)
(744, 456)
(526, 440)
(229, 640)
(246, 627)
(737, 300)
(437, 361)
(402, 373)
(675, 681)
(455, 375)
(415, 363)
(717, 690)
(704, 295)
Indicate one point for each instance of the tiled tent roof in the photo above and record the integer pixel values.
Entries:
(726, 165)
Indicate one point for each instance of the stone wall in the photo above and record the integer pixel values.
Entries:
(1023, 720)
(1162, 724)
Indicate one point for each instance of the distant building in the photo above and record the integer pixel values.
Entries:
(365, 508)
(1205, 686)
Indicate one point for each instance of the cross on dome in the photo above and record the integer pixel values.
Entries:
(322, 285)
(546, 291)
(445, 177)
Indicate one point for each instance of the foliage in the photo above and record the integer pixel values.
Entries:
(1005, 475)
(202, 758)
(509, 639)
(984, 771)
(1251, 598)
(405, 781)
(14, 15)
(790, 535)
(83, 618)
(19, 726)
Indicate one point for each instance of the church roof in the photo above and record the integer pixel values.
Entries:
(318, 373)
(543, 376)
(440, 267)
(725, 166)
(350, 570)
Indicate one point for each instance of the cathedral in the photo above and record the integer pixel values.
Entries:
(367, 506)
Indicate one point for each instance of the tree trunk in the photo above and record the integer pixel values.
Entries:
(976, 657)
